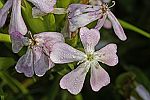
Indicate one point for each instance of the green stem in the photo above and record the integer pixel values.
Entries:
(134, 28)
(4, 38)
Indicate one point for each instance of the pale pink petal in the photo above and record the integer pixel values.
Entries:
(63, 53)
(16, 22)
(25, 64)
(78, 9)
(42, 65)
(4, 12)
(83, 20)
(107, 24)
(37, 51)
(117, 27)
(89, 38)
(99, 77)
(44, 5)
(18, 41)
(48, 39)
(51, 64)
(74, 80)
(107, 55)
(49, 36)
(101, 22)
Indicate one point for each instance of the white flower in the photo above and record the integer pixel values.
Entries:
(73, 81)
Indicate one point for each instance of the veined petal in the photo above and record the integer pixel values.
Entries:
(42, 65)
(78, 9)
(37, 51)
(48, 39)
(63, 53)
(74, 80)
(44, 5)
(50, 36)
(25, 64)
(99, 77)
(83, 20)
(117, 27)
(101, 22)
(18, 41)
(107, 55)
(4, 12)
(16, 22)
(89, 38)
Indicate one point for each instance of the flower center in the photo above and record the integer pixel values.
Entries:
(90, 57)
(32, 42)
(105, 7)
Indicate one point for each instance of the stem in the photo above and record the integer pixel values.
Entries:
(5, 38)
(134, 28)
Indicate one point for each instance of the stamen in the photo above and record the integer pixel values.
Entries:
(113, 4)
(30, 35)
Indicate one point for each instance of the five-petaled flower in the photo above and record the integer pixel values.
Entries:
(73, 81)
(37, 60)
(80, 15)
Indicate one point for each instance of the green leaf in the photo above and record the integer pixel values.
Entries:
(6, 62)
(2, 97)
(50, 22)
(1, 4)
(35, 25)
(63, 3)
(14, 84)
(4, 38)
(134, 28)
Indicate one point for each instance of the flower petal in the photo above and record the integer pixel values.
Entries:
(63, 53)
(48, 39)
(16, 22)
(107, 55)
(107, 24)
(49, 36)
(78, 9)
(42, 65)
(117, 27)
(89, 38)
(101, 22)
(4, 12)
(25, 64)
(37, 51)
(37, 12)
(83, 20)
(18, 41)
(74, 80)
(99, 77)
(44, 5)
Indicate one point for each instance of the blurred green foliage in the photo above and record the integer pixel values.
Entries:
(134, 56)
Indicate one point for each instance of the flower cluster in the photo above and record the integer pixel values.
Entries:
(49, 48)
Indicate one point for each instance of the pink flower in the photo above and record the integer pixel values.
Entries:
(17, 27)
(81, 15)
(4, 12)
(37, 60)
(73, 81)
